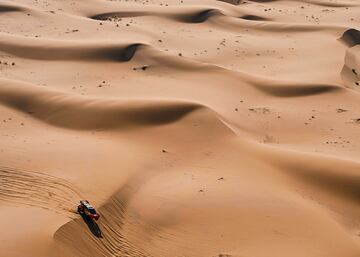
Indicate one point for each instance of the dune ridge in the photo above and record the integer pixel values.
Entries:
(77, 112)
(48, 50)
(191, 17)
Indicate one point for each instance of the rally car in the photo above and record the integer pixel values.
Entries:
(85, 208)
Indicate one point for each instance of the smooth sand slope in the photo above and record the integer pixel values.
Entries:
(196, 127)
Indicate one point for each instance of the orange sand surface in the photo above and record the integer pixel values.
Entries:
(198, 128)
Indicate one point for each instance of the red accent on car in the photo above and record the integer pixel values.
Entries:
(95, 216)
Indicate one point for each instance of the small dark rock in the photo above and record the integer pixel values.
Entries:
(340, 110)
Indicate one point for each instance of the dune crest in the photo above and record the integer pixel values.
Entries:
(78, 112)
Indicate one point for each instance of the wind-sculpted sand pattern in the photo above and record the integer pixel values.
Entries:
(197, 128)
(105, 238)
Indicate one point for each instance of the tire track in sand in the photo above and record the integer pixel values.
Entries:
(37, 189)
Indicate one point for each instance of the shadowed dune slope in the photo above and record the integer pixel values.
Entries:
(10, 8)
(297, 90)
(351, 69)
(47, 50)
(253, 18)
(78, 112)
(234, 2)
(187, 17)
(351, 37)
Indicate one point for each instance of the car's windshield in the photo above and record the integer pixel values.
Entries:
(92, 211)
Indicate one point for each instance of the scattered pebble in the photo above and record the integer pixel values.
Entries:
(340, 110)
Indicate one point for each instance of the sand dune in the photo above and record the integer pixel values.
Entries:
(78, 112)
(197, 128)
(48, 50)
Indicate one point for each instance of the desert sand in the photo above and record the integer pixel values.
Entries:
(196, 127)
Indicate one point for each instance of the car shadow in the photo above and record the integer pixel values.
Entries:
(92, 225)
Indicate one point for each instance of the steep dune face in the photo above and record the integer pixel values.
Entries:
(76, 112)
(197, 128)
(350, 71)
(54, 50)
(351, 37)
(191, 16)
(10, 8)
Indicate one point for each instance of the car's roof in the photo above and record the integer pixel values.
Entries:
(87, 204)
